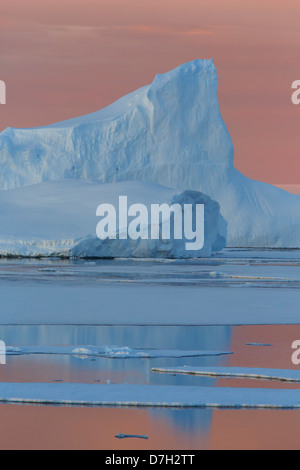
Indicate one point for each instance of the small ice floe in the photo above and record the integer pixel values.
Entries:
(13, 351)
(125, 436)
(113, 352)
(216, 274)
(47, 270)
(82, 353)
(283, 375)
(264, 278)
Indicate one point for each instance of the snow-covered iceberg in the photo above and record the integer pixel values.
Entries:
(58, 218)
(171, 133)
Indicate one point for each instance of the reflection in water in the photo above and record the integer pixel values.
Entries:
(187, 420)
(69, 368)
(242, 272)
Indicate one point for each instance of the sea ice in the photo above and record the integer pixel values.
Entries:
(174, 396)
(122, 352)
(284, 375)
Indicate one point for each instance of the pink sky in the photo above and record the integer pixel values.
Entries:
(64, 58)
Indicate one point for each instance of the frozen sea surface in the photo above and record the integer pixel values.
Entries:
(177, 312)
(232, 288)
(148, 395)
(284, 375)
(110, 351)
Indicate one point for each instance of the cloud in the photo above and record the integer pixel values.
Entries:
(175, 30)
(197, 32)
(75, 30)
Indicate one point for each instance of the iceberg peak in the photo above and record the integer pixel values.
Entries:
(194, 67)
(170, 132)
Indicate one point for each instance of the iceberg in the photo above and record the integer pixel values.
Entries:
(170, 133)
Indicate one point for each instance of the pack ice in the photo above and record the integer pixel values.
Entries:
(169, 133)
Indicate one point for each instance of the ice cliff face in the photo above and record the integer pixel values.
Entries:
(58, 218)
(170, 132)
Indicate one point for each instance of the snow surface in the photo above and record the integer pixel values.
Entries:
(170, 132)
(118, 352)
(59, 219)
(147, 395)
(284, 375)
